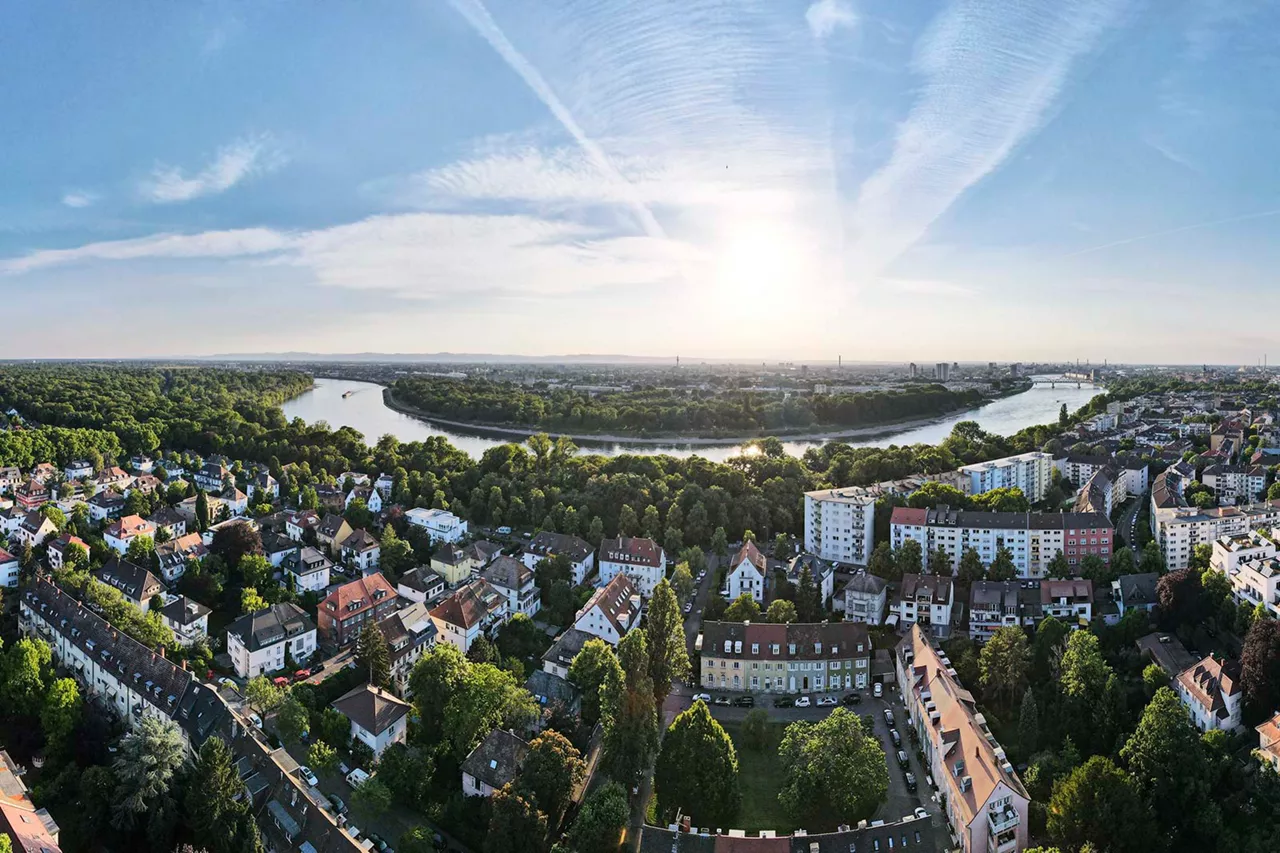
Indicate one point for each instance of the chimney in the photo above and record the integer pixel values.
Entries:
(161, 650)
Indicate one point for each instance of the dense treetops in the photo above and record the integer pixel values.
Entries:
(653, 411)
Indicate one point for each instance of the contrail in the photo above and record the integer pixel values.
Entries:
(480, 19)
(1264, 214)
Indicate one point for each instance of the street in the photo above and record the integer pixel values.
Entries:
(1128, 526)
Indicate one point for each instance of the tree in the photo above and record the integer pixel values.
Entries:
(1153, 678)
(808, 598)
(697, 769)
(668, 645)
(882, 563)
(1029, 723)
(373, 656)
(1260, 669)
(1002, 568)
(483, 650)
(61, 712)
(1047, 648)
(682, 581)
(292, 719)
(720, 542)
(1099, 804)
(971, 568)
(833, 772)
(909, 558)
(358, 514)
(628, 711)
(322, 756)
(26, 667)
(142, 552)
(251, 601)
(395, 556)
(598, 827)
(1152, 561)
(149, 757)
(1058, 567)
(484, 699)
(215, 806)
(743, 609)
(780, 612)
(939, 562)
(551, 771)
(233, 541)
(1003, 663)
(371, 796)
(202, 511)
(263, 696)
(1166, 760)
(593, 666)
(516, 825)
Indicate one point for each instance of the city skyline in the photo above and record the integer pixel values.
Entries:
(978, 180)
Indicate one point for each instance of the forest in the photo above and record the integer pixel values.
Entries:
(670, 411)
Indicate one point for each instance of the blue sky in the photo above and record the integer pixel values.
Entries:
(967, 179)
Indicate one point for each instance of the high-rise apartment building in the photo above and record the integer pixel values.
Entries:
(839, 524)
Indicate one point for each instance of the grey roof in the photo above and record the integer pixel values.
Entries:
(185, 611)
(131, 579)
(497, 758)
(360, 540)
(270, 626)
(566, 647)
(422, 579)
(866, 583)
(548, 544)
(548, 688)
(371, 709)
(508, 573)
(1137, 590)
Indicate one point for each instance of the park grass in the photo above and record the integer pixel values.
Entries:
(759, 779)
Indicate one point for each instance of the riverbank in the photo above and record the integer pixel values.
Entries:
(875, 431)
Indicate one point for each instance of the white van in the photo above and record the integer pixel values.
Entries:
(357, 777)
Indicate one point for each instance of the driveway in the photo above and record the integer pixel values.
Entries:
(703, 589)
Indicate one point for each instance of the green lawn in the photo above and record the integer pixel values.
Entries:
(759, 778)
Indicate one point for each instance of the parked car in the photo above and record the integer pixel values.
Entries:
(911, 782)
(256, 720)
(378, 843)
(307, 776)
(803, 702)
(227, 682)
(895, 737)
(688, 606)
(338, 805)
(723, 700)
(357, 777)
(878, 690)
(302, 674)
(783, 702)
(827, 701)
(902, 758)
(888, 716)
(281, 681)
(920, 812)
(852, 698)
(705, 697)
(504, 530)
(745, 701)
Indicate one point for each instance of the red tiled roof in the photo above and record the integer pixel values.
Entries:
(909, 515)
(361, 590)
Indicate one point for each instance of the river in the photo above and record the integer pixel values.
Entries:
(365, 411)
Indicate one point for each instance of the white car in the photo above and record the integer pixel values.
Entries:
(307, 776)
(688, 606)
(504, 530)
(705, 697)
(920, 812)
(803, 702)
(826, 701)
(878, 690)
(256, 720)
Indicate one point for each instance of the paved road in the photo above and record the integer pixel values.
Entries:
(1128, 526)
(702, 591)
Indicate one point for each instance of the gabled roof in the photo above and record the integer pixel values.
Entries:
(184, 611)
(131, 579)
(618, 600)
(421, 579)
(866, 584)
(549, 544)
(367, 591)
(360, 541)
(469, 604)
(508, 573)
(330, 525)
(632, 551)
(271, 625)
(566, 647)
(1210, 682)
(751, 555)
(129, 526)
(496, 759)
(1137, 590)
(371, 709)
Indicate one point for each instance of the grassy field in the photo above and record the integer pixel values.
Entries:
(759, 777)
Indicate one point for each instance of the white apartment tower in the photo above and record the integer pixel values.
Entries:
(839, 524)
(1031, 472)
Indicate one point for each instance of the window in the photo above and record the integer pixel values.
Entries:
(755, 648)
(791, 648)
(817, 648)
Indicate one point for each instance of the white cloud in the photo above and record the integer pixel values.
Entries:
(209, 244)
(79, 198)
(826, 16)
(993, 73)
(233, 163)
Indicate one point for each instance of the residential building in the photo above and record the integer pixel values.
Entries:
(332, 498)
(839, 524)
(44, 473)
(559, 657)
(821, 572)
(457, 563)
(236, 501)
(136, 584)
(1032, 539)
(332, 531)
(105, 505)
(142, 463)
(258, 642)
(356, 478)
(362, 551)
(211, 477)
(297, 524)
(1030, 472)
(440, 525)
(264, 487)
(187, 618)
(168, 519)
(10, 478)
(472, 609)
(986, 805)
(1251, 562)
(10, 569)
(581, 556)
(1134, 592)
(1235, 483)
(344, 611)
(865, 597)
(174, 555)
(992, 605)
(121, 532)
(515, 580)
(187, 507)
(56, 553)
(553, 694)
(34, 530)
(421, 585)
(372, 498)
(409, 633)
(1178, 530)
(78, 469)
(1070, 601)
(384, 484)
(641, 560)
(1269, 742)
(30, 830)
(276, 548)
(493, 763)
(612, 611)
(113, 479)
(212, 530)
(748, 573)
(799, 657)
(306, 570)
(31, 495)
(1211, 691)
(925, 600)
(1104, 490)
(1078, 468)
(378, 719)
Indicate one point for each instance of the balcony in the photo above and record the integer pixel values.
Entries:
(1000, 821)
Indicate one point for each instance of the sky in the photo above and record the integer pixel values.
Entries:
(763, 179)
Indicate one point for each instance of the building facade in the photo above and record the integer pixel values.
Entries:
(641, 560)
(1030, 472)
(839, 525)
(814, 657)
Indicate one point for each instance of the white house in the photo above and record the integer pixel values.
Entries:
(236, 501)
(77, 470)
(865, 596)
(9, 569)
(1251, 562)
(1211, 691)
(440, 525)
(748, 573)
(822, 572)
(1069, 600)
(362, 551)
(641, 560)
(56, 554)
(384, 484)
(306, 570)
(471, 610)
(211, 477)
(839, 524)
(34, 530)
(264, 487)
(611, 611)
(121, 532)
(174, 555)
(546, 544)
(378, 719)
(925, 600)
(420, 585)
(372, 498)
(187, 618)
(105, 505)
(493, 763)
(409, 633)
(257, 642)
(515, 580)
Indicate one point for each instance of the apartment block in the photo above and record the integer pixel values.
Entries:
(811, 657)
(1251, 562)
(839, 525)
(1030, 472)
(1179, 529)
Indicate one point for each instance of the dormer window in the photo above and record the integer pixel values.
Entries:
(817, 648)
